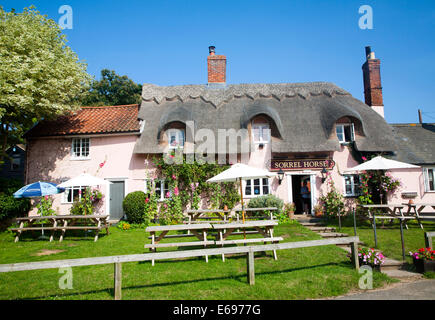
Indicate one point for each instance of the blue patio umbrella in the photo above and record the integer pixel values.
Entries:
(38, 189)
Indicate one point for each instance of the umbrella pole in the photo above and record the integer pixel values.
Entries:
(243, 206)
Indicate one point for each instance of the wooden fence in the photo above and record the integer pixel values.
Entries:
(118, 260)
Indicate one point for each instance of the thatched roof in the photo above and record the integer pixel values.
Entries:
(304, 114)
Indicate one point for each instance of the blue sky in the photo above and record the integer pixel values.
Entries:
(166, 43)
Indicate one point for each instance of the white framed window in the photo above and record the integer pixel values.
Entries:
(352, 186)
(429, 179)
(80, 148)
(161, 188)
(345, 132)
(73, 194)
(175, 138)
(260, 132)
(257, 187)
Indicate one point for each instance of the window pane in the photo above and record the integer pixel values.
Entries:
(430, 174)
(256, 133)
(257, 186)
(248, 188)
(347, 133)
(68, 195)
(340, 133)
(265, 133)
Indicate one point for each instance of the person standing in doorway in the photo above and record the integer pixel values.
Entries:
(305, 195)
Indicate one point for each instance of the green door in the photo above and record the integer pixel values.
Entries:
(117, 189)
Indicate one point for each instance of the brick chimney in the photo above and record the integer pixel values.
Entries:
(216, 66)
(372, 82)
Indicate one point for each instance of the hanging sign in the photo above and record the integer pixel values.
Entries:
(301, 164)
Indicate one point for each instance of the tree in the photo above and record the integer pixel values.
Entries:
(40, 76)
(113, 90)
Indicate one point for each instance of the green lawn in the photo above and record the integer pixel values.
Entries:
(297, 274)
(388, 236)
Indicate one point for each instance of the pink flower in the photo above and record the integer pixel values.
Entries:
(168, 194)
(147, 200)
(174, 177)
(171, 156)
(102, 164)
(165, 205)
(364, 158)
(176, 191)
(46, 198)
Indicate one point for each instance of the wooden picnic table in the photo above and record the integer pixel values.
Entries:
(224, 215)
(200, 232)
(194, 230)
(415, 209)
(63, 223)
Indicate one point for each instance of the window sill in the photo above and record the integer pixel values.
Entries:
(254, 196)
(80, 159)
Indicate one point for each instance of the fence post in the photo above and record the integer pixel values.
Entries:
(428, 240)
(403, 240)
(374, 230)
(250, 267)
(118, 280)
(354, 252)
(354, 222)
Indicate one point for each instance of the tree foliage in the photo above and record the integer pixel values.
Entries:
(112, 90)
(40, 76)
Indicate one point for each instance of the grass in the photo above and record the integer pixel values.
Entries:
(305, 273)
(388, 237)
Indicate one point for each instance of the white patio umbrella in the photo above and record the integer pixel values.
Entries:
(239, 172)
(84, 180)
(381, 163)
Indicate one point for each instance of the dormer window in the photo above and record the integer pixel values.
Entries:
(345, 132)
(261, 133)
(175, 138)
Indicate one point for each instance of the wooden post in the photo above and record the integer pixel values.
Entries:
(428, 240)
(374, 230)
(354, 250)
(354, 222)
(118, 280)
(250, 268)
(403, 240)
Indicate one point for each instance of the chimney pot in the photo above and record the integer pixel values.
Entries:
(211, 50)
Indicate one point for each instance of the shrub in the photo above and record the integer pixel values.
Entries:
(134, 207)
(266, 202)
(9, 206)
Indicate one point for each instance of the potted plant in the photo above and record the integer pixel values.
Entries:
(424, 259)
(289, 209)
(368, 256)
(318, 210)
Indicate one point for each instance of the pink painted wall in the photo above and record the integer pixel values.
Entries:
(50, 160)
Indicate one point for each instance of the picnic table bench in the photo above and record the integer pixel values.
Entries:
(202, 230)
(62, 223)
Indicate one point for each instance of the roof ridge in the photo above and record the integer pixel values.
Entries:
(102, 107)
